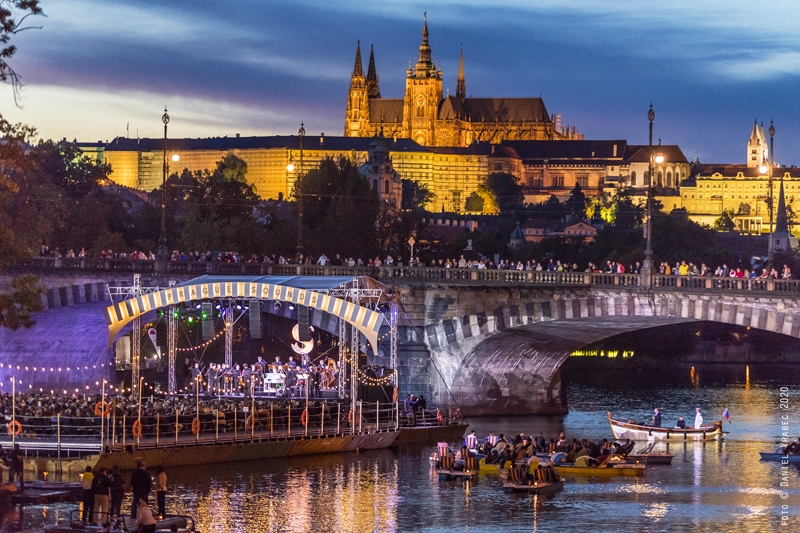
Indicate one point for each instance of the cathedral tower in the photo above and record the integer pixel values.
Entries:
(757, 151)
(373, 89)
(357, 115)
(423, 95)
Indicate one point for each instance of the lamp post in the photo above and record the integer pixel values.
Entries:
(301, 133)
(771, 164)
(161, 253)
(647, 264)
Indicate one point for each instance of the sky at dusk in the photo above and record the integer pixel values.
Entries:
(259, 67)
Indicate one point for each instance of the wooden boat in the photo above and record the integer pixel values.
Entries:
(447, 471)
(488, 468)
(543, 480)
(778, 456)
(637, 432)
(607, 469)
(649, 457)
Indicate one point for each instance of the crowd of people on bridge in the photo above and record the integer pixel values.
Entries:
(680, 268)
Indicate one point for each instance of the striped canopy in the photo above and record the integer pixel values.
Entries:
(302, 290)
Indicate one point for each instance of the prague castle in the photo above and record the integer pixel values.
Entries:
(428, 118)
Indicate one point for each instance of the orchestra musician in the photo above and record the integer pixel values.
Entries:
(212, 378)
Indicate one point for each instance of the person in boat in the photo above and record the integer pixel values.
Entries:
(562, 441)
(541, 444)
(698, 418)
(624, 448)
(501, 444)
(145, 523)
(681, 423)
(793, 448)
(471, 441)
(492, 458)
(656, 418)
(508, 455)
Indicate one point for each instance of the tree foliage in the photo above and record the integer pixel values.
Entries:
(13, 14)
(725, 221)
(501, 192)
(20, 302)
(416, 195)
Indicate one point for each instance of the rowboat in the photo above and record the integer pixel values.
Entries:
(778, 456)
(542, 480)
(486, 468)
(649, 457)
(446, 469)
(634, 432)
(605, 470)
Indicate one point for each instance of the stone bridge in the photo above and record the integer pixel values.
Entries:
(488, 341)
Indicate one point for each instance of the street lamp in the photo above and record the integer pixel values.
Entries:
(647, 264)
(301, 133)
(161, 252)
(771, 164)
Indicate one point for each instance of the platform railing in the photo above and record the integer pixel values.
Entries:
(123, 430)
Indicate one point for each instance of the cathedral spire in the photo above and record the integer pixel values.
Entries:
(461, 84)
(358, 70)
(425, 66)
(373, 89)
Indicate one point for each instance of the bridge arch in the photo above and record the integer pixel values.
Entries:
(508, 360)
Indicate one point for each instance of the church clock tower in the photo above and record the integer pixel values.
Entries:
(356, 122)
(423, 95)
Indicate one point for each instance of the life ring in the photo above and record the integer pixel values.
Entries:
(350, 416)
(439, 417)
(304, 417)
(14, 427)
(137, 429)
(102, 409)
(196, 426)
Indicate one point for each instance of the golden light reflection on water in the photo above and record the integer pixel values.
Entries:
(304, 495)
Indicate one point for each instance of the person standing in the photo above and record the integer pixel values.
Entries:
(698, 418)
(656, 418)
(117, 487)
(102, 494)
(88, 496)
(161, 491)
(141, 484)
(16, 467)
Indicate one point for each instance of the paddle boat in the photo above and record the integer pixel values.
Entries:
(778, 456)
(448, 470)
(543, 480)
(633, 431)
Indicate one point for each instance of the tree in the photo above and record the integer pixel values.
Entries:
(725, 221)
(474, 203)
(17, 305)
(13, 14)
(576, 203)
(416, 195)
(502, 191)
(340, 209)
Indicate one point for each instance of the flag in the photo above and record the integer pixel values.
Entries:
(726, 415)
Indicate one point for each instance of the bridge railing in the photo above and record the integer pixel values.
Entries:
(390, 274)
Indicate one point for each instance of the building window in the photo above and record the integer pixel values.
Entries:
(538, 182)
(583, 181)
(558, 181)
(658, 176)
(386, 187)
(669, 179)
(498, 165)
(633, 177)
(646, 178)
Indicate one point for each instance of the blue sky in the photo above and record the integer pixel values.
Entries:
(259, 67)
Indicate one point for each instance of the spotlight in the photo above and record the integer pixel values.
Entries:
(291, 307)
(218, 307)
(276, 305)
(238, 307)
(198, 306)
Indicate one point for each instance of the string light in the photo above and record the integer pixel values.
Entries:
(208, 342)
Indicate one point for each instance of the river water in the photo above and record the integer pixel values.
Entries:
(716, 487)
